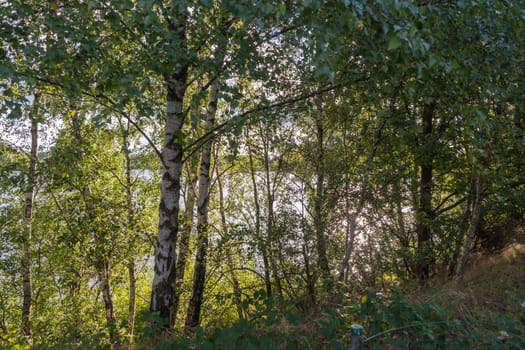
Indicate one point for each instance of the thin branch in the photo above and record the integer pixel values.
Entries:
(450, 207)
(192, 147)
(445, 200)
(112, 106)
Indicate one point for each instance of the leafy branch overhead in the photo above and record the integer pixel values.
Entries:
(227, 173)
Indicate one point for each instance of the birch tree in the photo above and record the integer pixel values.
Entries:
(163, 288)
(199, 275)
(28, 218)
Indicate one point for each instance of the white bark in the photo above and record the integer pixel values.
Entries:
(473, 225)
(28, 235)
(194, 307)
(164, 280)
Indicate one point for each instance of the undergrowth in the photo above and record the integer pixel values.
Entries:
(389, 322)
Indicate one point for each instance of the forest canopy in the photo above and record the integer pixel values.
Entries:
(168, 166)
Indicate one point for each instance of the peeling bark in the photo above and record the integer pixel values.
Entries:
(184, 243)
(103, 270)
(163, 285)
(199, 276)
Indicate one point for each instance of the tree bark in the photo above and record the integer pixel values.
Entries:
(101, 260)
(352, 218)
(103, 270)
(424, 216)
(319, 222)
(310, 280)
(28, 219)
(460, 237)
(270, 219)
(163, 286)
(473, 225)
(132, 292)
(184, 244)
(102, 266)
(237, 291)
(132, 302)
(262, 247)
(199, 277)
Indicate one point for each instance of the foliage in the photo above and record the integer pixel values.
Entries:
(349, 138)
(389, 321)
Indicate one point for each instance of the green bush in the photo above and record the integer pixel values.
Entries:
(389, 322)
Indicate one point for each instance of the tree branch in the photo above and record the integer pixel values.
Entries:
(112, 106)
(194, 146)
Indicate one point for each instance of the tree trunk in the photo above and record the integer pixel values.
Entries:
(424, 254)
(319, 222)
(459, 239)
(103, 270)
(132, 301)
(102, 267)
(237, 291)
(184, 244)
(262, 247)
(28, 236)
(101, 261)
(199, 277)
(403, 236)
(310, 280)
(270, 219)
(352, 218)
(132, 292)
(473, 225)
(163, 286)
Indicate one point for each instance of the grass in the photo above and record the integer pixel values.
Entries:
(494, 285)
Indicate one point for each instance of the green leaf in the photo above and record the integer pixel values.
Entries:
(206, 3)
(267, 8)
(128, 78)
(394, 43)
(412, 32)
(431, 61)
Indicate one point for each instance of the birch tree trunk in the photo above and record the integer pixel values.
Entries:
(424, 255)
(184, 244)
(132, 302)
(103, 270)
(319, 222)
(132, 292)
(28, 234)
(352, 218)
(310, 278)
(261, 246)
(460, 237)
(163, 285)
(473, 225)
(237, 291)
(270, 218)
(199, 276)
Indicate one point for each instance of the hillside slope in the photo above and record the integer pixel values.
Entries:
(493, 286)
